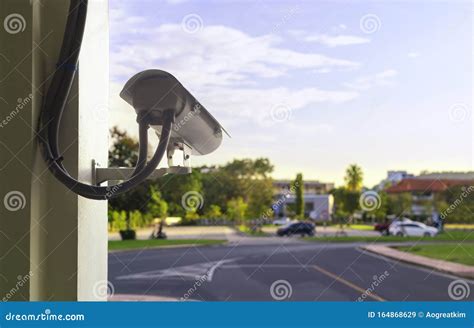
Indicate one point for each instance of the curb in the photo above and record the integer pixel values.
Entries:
(165, 247)
(456, 269)
(243, 234)
(140, 298)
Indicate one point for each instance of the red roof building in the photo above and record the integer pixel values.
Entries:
(427, 185)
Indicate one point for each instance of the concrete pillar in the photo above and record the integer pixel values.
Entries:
(67, 234)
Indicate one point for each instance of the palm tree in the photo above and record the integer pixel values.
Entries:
(354, 177)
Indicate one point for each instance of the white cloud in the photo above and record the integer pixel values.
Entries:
(369, 81)
(237, 106)
(413, 54)
(337, 40)
(224, 68)
(256, 105)
(176, 2)
(215, 55)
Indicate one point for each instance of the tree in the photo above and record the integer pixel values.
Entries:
(190, 216)
(124, 150)
(117, 220)
(213, 212)
(261, 197)
(157, 207)
(134, 200)
(456, 204)
(236, 209)
(174, 188)
(346, 202)
(245, 178)
(299, 201)
(379, 210)
(399, 204)
(354, 178)
(124, 153)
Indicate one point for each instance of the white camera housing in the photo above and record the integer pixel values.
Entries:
(152, 92)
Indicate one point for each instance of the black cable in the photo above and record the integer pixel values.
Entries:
(63, 77)
(55, 103)
(96, 192)
(143, 148)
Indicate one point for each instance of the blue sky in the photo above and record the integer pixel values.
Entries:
(314, 86)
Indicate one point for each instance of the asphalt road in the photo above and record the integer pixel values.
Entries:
(287, 270)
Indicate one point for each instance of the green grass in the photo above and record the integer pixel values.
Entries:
(364, 227)
(459, 226)
(466, 236)
(246, 230)
(150, 243)
(463, 254)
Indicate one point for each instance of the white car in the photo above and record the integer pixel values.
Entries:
(282, 221)
(412, 229)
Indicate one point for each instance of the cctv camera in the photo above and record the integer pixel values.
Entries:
(160, 102)
(153, 92)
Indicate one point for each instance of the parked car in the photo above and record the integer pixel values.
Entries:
(382, 228)
(281, 221)
(412, 228)
(297, 228)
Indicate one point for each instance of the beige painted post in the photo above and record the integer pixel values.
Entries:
(66, 235)
(16, 146)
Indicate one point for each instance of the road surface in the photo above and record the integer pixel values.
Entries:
(269, 269)
(223, 232)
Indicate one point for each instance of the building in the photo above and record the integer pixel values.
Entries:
(393, 177)
(448, 176)
(318, 202)
(311, 187)
(424, 188)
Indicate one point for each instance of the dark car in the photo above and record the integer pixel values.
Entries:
(382, 228)
(297, 228)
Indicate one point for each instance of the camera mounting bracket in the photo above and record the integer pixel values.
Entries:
(187, 150)
(100, 175)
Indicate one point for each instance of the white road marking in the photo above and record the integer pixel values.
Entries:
(211, 271)
(268, 266)
(191, 272)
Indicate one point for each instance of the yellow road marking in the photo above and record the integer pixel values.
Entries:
(348, 283)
